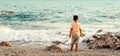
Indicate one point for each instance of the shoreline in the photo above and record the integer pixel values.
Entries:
(32, 49)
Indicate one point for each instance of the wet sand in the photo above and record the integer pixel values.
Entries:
(40, 51)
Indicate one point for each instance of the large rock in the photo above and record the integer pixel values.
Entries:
(106, 40)
(7, 12)
(5, 43)
(55, 47)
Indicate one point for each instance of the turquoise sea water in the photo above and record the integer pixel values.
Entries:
(57, 11)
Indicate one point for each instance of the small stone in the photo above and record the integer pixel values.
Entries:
(5, 43)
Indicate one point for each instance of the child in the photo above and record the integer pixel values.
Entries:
(75, 32)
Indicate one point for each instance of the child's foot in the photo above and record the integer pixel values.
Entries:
(70, 50)
(76, 50)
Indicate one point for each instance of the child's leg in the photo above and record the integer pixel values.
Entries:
(76, 48)
(71, 47)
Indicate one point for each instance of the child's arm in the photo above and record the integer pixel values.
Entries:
(70, 32)
(80, 32)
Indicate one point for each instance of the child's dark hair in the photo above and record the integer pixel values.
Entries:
(75, 17)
